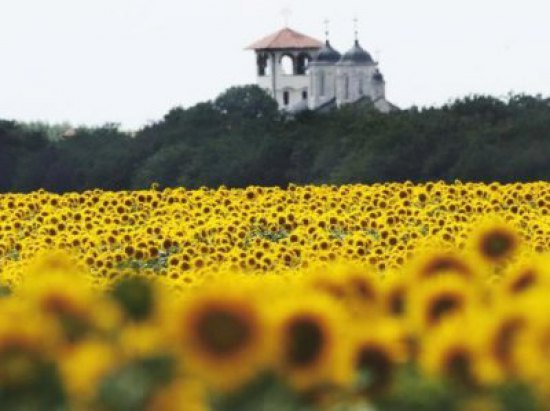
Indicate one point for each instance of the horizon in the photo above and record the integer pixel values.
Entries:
(70, 126)
(77, 64)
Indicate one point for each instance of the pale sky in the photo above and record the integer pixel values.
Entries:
(130, 61)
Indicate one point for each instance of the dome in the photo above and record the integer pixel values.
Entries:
(327, 55)
(357, 55)
(378, 77)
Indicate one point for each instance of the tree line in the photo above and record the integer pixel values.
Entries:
(242, 139)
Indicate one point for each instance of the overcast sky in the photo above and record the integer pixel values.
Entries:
(130, 61)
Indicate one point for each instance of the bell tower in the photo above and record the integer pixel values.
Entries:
(282, 61)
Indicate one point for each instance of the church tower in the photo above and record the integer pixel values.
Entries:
(355, 72)
(358, 76)
(283, 60)
(322, 73)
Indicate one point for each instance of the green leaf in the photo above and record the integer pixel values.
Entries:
(414, 392)
(131, 387)
(267, 393)
(516, 397)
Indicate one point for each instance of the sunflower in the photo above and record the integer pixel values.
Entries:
(495, 242)
(77, 310)
(363, 288)
(309, 341)
(83, 366)
(526, 276)
(435, 263)
(443, 297)
(27, 345)
(222, 336)
(503, 336)
(321, 280)
(394, 290)
(353, 285)
(48, 262)
(142, 340)
(528, 339)
(375, 354)
(455, 351)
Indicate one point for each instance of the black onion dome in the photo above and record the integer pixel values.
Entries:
(378, 77)
(358, 55)
(327, 55)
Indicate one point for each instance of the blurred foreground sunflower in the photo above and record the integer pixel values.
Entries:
(222, 337)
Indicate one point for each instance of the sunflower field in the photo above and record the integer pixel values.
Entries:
(390, 297)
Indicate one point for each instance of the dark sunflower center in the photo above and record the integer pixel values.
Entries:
(377, 364)
(505, 340)
(523, 282)
(497, 245)
(442, 306)
(306, 342)
(362, 289)
(459, 368)
(397, 303)
(223, 333)
(57, 304)
(333, 290)
(444, 263)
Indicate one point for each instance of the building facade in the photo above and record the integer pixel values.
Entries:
(302, 73)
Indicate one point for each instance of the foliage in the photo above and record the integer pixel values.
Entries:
(241, 139)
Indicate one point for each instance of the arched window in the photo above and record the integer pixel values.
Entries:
(304, 95)
(361, 86)
(303, 64)
(264, 65)
(286, 98)
(322, 83)
(346, 87)
(287, 64)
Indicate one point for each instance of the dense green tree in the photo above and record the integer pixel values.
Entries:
(241, 138)
(247, 102)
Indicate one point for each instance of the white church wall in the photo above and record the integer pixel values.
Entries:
(355, 82)
(322, 84)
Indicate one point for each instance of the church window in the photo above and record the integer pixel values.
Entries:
(346, 87)
(263, 61)
(304, 94)
(322, 84)
(287, 65)
(286, 98)
(361, 86)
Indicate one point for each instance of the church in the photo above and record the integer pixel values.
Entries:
(303, 73)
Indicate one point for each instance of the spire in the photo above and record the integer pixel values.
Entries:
(327, 30)
(356, 28)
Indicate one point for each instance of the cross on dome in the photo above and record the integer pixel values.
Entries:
(327, 28)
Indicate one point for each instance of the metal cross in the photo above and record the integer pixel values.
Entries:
(327, 27)
(356, 27)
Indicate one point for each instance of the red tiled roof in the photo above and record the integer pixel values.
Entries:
(286, 39)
